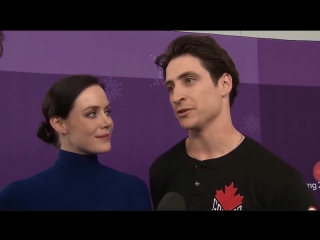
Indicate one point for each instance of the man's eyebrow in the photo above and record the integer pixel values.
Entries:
(181, 76)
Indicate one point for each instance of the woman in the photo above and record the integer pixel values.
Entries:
(78, 122)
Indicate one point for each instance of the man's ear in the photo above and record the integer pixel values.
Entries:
(225, 83)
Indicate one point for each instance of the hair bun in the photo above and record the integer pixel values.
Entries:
(46, 133)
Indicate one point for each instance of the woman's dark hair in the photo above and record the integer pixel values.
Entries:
(59, 101)
(2, 38)
(212, 56)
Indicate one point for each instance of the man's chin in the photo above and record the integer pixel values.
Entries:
(190, 125)
(187, 126)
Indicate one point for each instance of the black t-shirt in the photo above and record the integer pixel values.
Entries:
(248, 178)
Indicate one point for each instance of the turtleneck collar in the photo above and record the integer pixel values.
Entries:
(75, 163)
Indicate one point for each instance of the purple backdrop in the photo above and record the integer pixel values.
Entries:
(280, 86)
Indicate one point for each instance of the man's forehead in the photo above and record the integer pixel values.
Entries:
(181, 65)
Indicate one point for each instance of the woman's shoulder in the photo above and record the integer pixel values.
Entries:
(127, 180)
(12, 195)
(24, 184)
(122, 175)
(12, 187)
(135, 188)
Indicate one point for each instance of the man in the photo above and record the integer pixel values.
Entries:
(217, 167)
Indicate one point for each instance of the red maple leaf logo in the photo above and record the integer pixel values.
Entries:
(316, 171)
(228, 200)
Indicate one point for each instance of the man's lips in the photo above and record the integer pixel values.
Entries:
(182, 110)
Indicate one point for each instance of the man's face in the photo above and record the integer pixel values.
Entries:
(195, 99)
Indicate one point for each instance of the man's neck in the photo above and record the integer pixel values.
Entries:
(216, 140)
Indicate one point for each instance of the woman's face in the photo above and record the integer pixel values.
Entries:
(89, 126)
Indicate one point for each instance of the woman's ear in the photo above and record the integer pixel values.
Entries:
(57, 124)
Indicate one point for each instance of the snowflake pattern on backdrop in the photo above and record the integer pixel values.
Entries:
(159, 80)
(251, 123)
(113, 88)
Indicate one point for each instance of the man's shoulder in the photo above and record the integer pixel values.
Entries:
(176, 149)
(279, 185)
(262, 157)
(269, 165)
(174, 152)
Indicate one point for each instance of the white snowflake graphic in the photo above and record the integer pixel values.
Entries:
(159, 80)
(154, 57)
(113, 88)
(251, 123)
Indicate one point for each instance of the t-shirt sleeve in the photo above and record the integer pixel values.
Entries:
(294, 194)
(156, 186)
